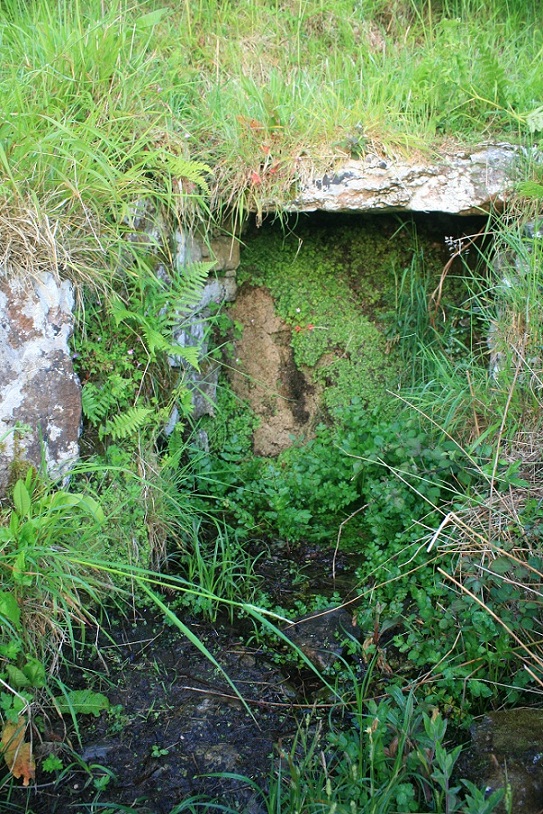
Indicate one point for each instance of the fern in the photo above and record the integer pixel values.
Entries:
(125, 424)
(97, 402)
(187, 288)
(161, 308)
(92, 403)
(493, 77)
(192, 171)
(146, 315)
(534, 120)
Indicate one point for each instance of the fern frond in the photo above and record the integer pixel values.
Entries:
(493, 77)
(97, 401)
(190, 283)
(534, 120)
(193, 171)
(126, 424)
(91, 403)
(120, 312)
(188, 353)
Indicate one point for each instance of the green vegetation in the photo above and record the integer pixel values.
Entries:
(441, 499)
(108, 107)
(390, 758)
(123, 348)
(330, 285)
(281, 87)
(122, 123)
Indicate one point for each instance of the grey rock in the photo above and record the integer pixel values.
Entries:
(507, 749)
(40, 394)
(533, 230)
(97, 752)
(319, 635)
(457, 182)
(219, 757)
(193, 324)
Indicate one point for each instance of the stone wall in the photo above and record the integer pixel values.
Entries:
(221, 287)
(460, 182)
(40, 396)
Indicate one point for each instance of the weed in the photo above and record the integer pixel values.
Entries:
(383, 757)
(157, 751)
(330, 289)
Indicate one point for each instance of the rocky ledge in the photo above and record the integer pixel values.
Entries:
(461, 182)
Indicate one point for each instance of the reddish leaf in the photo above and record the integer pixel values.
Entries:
(252, 124)
(17, 753)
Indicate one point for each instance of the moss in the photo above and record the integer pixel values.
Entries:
(333, 281)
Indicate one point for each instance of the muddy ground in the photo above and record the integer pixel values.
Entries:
(174, 721)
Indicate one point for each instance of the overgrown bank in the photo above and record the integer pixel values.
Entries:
(382, 481)
(150, 97)
(441, 494)
(439, 498)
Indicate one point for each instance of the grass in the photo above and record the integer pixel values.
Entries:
(466, 391)
(108, 106)
(85, 139)
(287, 86)
(222, 570)
(63, 571)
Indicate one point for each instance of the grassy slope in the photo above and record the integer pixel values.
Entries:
(280, 84)
(97, 98)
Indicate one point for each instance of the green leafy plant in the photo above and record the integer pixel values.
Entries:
(382, 757)
(81, 702)
(36, 547)
(157, 751)
(46, 594)
(312, 488)
(51, 764)
(393, 757)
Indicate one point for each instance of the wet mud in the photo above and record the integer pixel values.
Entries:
(174, 721)
(175, 727)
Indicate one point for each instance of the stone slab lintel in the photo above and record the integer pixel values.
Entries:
(461, 182)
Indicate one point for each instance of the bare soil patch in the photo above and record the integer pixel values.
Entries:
(264, 374)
